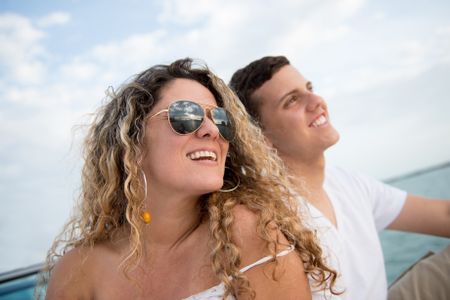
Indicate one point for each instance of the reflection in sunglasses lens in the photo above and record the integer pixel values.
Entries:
(185, 116)
(223, 122)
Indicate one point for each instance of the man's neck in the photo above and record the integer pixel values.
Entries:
(309, 176)
(311, 172)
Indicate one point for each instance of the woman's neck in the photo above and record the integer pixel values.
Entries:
(173, 219)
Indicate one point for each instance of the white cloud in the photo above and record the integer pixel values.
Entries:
(186, 12)
(54, 18)
(228, 35)
(31, 72)
(399, 124)
(309, 30)
(378, 16)
(441, 41)
(21, 52)
(79, 71)
(377, 55)
(135, 50)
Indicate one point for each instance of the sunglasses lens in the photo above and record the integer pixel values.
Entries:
(222, 120)
(185, 116)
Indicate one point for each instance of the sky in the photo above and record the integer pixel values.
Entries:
(382, 66)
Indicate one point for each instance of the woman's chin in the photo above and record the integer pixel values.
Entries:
(210, 187)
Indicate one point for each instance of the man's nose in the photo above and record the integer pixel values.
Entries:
(314, 101)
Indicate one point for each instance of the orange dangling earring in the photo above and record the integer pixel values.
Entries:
(145, 215)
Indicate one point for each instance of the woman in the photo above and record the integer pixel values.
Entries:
(160, 218)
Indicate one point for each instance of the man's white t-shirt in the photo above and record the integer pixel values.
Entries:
(363, 206)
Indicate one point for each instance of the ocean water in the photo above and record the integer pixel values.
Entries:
(403, 249)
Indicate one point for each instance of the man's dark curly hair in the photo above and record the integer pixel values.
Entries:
(247, 80)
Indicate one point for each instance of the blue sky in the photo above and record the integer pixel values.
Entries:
(383, 67)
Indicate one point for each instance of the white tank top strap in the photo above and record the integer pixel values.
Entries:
(267, 258)
(217, 292)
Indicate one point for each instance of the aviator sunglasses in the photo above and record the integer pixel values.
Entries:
(186, 117)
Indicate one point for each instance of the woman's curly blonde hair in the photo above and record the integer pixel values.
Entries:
(112, 194)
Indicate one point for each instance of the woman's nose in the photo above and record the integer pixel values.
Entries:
(208, 129)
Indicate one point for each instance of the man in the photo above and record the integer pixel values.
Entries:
(347, 209)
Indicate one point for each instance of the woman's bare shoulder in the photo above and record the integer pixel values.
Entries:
(70, 276)
(245, 236)
(244, 228)
(245, 220)
(74, 273)
(284, 280)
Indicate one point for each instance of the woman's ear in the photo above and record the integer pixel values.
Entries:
(139, 160)
(268, 142)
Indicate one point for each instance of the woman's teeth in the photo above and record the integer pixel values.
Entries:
(197, 155)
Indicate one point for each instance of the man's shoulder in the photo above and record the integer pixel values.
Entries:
(339, 170)
(348, 174)
(342, 175)
(333, 169)
(348, 182)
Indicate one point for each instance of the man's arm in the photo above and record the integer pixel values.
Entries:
(424, 215)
